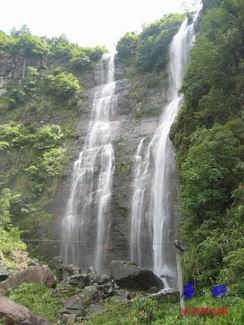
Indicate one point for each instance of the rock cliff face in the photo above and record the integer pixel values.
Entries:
(137, 114)
(138, 110)
(13, 68)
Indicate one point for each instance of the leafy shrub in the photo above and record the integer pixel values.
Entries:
(5, 197)
(60, 48)
(207, 172)
(63, 86)
(153, 44)
(208, 136)
(10, 240)
(84, 58)
(39, 299)
(49, 165)
(16, 96)
(29, 45)
(80, 59)
(126, 46)
(49, 136)
(144, 310)
(72, 56)
(4, 146)
(9, 235)
(148, 51)
(14, 134)
(31, 82)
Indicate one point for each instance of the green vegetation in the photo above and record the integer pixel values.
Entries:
(58, 51)
(146, 311)
(41, 109)
(148, 51)
(23, 43)
(40, 299)
(127, 46)
(32, 159)
(9, 235)
(36, 144)
(63, 86)
(209, 139)
(143, 58)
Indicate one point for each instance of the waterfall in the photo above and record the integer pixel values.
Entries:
(85, 226)
(154, 187)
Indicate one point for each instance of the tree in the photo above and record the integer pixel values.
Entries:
(63, 86)
(126, 46)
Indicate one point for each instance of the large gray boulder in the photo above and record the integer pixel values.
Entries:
(130, 276)
(78, 280)
(34, 274)
(78, 304)
(13, 313)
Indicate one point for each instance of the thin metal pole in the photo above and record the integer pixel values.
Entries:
(180, 278)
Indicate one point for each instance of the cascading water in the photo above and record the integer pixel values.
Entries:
(86, 223)
(152, 224)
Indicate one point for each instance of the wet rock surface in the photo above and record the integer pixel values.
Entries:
(130, 276)
(136, 116)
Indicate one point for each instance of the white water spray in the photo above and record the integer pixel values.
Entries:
(86, 223)
(152, 224)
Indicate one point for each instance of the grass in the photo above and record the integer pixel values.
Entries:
(39, 299)
(146, 311)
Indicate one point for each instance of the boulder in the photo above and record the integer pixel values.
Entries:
(91, 294)
(74, 305)
(167, 295)
(56, 264)
(69, 270)
(107, 289)
(13, 313)
(33, 274)
(79, 280)
(94, 309)
(130, 276)
(69, 319)
(124, 295)
(20, 258)
(92, 274)
(78, 304)
(3, 273)
(103, 278)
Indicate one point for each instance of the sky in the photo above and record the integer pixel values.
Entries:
(86, 22)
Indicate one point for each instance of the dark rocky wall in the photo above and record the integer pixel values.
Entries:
(138, 112)
(13, 68)
(136, 116)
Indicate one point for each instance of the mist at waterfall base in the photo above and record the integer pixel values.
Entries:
(86, 223)
(153, 212)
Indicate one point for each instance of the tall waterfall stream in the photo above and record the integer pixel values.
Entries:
(152, 213)
(86, 222)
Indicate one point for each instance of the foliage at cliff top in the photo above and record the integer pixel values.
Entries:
(57, 49)
(148, 51)
(209, 138)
